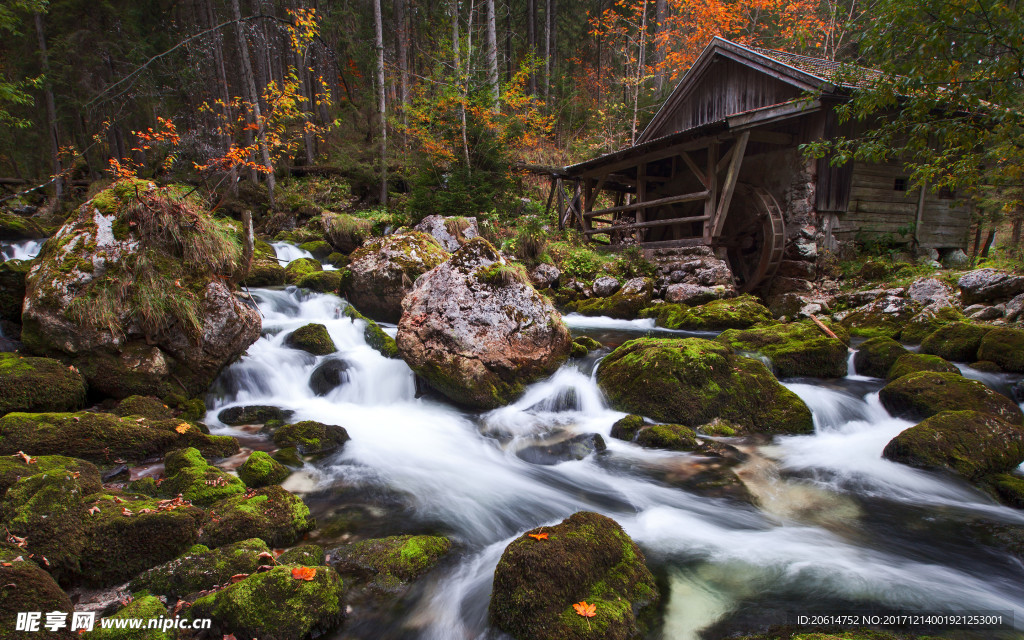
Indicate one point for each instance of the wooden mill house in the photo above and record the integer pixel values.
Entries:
(720, 165)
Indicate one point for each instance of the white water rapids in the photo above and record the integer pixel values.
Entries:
(837, 527)
(21, 250)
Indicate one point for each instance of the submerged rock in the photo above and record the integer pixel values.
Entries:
(875, 356)
(575, 448)
(38, 384)
(382, 272)
(586, 557)
(921, 395)
(795, 349)
(478, 332)
(735, 313)
(693, 381)
(253, 414)
(328, 376)
(972, 443)
(386, 564)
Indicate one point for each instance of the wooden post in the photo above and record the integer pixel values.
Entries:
(730, 182)
(641, 196)
(920, 214)
(711, 182)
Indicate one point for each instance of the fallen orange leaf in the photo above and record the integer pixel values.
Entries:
(303, 573)
(538, 536)
(183, 427)
(585, 610)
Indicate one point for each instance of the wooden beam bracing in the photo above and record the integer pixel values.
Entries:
(712, 189)
(694, 168)
(686, 197)
(646, 225)
(729, 186)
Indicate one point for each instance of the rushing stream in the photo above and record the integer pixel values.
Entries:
(837, 528)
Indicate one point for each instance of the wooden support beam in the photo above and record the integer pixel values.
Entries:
(646, 225)
(729, 186)
(641, 196)
(694, 168)
(712, 188)
(725, 159)
(551, 195)
(686, 197)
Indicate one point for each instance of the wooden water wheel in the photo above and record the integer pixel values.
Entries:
(754, 236)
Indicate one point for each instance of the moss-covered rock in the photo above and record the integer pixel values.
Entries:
(885, 316)
(743, 312)
(972, 443)
(273, 605)
(1009, 488)
(265, 271)
(675, 437)
(693, 381)
(38, 384)
(253, 414)
(13, 468)
(928, 321)
(921, 395)
(309, 555)
(297, 269)
(1005, 347)
(102, 438)
(190, 476)
(875, 356)
(145, 406)
(795, 349)
(956, 342)
(577, 350)
(914, 362)
(587, 557)
(260, 470)
(311, 338)
(144, 607)
(626, 303)
(28, 588)
(271, 514)
(587, 343)
(386, 564)
(373, 334)
(321, 282)
(383, 271)
(311, 438)
(12, 289)
(627, 428)
(319, 248)
(202, 569)
(15, 227)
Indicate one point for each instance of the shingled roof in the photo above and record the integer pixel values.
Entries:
(838, 73)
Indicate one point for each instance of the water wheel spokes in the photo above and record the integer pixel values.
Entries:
(754, 236)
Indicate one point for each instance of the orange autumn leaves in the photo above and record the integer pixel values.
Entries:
(304, 573)
(581, 608)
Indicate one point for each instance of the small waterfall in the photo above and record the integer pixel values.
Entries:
(287, 252)
(23, 250)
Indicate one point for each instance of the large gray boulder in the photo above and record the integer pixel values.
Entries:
(139, 307)
(928, 291)
(383, 271)
(477, 331)
(989, 285)
(450, 232)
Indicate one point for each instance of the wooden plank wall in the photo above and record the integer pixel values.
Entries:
(726, 88)
(876, 207)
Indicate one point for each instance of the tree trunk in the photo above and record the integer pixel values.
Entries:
(381, 105)
(661, 14)
(547, 48)
(51, 111)
(531, 39)
(639, 72)
(508, 42)
(254, 98)
(492, 53)
(988, 241)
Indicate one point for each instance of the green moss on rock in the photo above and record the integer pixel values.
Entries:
(693, 381)
(921, 395)
(624, 304)
(627, 428)
(1005, 347)
(387, 563)
(675, 437)
(308, 555)
(271, 514)
(876, 356)
(743, 312)
(1009, 488)
(28, 588)
(971, 443)
(956, 342)
(145, 607)
(311, 438)
(145, 406)
(376, 337)
(15, 227)
(12, 289)
(38, 384)
(586, 557)
(319, 248)
(914, 362)
(311, 338)
(265, 271)
(928, 321)
(273, 605)
(321, 282)
(587, 343)
(296, 269)
(201, 569)
(190, 476)
(260, 470)
(795, 349)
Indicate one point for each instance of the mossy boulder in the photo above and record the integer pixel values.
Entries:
(875, 356)
(376, 337)
(956, 342)
(743, 312)
(134, 290)
(271, 514)
(928, 321)
(202, 569)
(885, 316)
(253, 414)
(692, 381)
(15, 467)
(321, 282)
(311, 438)
(587, 343)
(265, 271)
(38, 384)
(383, 271)
(914, 362)
(319, 248)
(921, 395)
(795, 349)
(586, 557)
(298, 269)
(309, 555)
(260, 470)
(476, 339)
(627, 428)
(28, 588)
(144, 406)
(386, 564)
(674, 437)
(189, 475)
(12, 290)
(311, 338)
(972, 443)
(15, 227)
(1009, 488)
(144, 607)
(625, 304)
(103, 438)
(1005, 347)
(273, 605)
